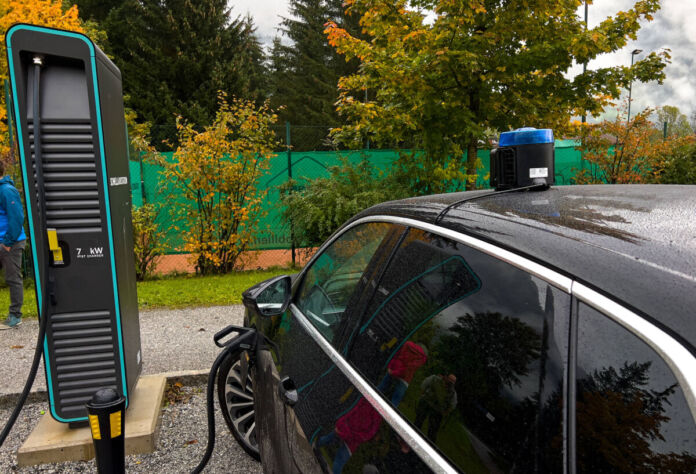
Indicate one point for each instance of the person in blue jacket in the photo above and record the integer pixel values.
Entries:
(12, 243)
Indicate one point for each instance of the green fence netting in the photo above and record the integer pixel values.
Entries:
(273, 233)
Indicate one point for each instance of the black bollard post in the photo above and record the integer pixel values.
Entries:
(107, 420)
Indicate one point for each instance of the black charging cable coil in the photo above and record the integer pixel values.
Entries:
(245, 340)
(47, 291)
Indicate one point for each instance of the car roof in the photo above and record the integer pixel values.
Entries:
(635, 243)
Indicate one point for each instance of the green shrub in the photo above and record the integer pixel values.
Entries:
(680, 168)
(148, 240)
(316, 208)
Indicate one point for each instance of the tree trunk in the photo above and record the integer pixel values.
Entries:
(475, 106)
(471, 163)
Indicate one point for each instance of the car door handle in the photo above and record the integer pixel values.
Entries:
(288, 391)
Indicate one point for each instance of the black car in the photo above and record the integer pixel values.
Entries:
(519, 331)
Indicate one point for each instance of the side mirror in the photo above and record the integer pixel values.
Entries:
(270, 297)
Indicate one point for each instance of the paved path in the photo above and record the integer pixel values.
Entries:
(172, 340)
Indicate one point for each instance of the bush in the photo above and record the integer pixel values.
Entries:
(147, 240)
(316, 208)
(217, 171)
(622, 152)
(680, 168)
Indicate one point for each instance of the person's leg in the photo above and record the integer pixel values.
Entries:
(327, 439)
(342, 457)
(434, 425)
(399, 392)
(421, 412)
(11, 260)
(13, 277)
(385, 383)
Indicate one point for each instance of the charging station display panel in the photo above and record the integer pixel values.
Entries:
(81, 234)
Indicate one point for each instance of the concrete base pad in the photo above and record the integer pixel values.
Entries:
(52, 441)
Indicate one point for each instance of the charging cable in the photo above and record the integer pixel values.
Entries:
(245, 340)
(47, 290)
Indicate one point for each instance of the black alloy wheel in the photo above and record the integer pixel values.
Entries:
(237, 405)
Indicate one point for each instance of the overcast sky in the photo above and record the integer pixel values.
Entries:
(674, 27)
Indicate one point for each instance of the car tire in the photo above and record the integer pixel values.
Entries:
(237, 405)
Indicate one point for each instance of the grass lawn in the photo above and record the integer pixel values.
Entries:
(174, 292)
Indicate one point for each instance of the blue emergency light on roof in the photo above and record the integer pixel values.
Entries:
(526, 136)
(524, 158)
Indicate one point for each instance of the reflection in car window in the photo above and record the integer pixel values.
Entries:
(332, 280)
(271, 299)
(471, 350)
(631, 414)
(360, 442)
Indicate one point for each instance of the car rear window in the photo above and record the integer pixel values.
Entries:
(631, 413)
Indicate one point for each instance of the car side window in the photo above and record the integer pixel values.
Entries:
(331, 285)
(471, 350)
(631, 413)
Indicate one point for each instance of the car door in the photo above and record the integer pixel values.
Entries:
(325, 298)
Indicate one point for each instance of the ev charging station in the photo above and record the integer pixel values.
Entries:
(73, 148)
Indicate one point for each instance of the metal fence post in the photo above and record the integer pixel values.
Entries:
(292, 227)
(367, 137)
(142, 178)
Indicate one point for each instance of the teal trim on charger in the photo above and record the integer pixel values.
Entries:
(434, 313)
(364, 327)
(108, 220)
(32, 234)
(313, 381)
(314, 435)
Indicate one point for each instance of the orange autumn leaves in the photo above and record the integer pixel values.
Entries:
(49, 13)
(623, 152)
(217, 171)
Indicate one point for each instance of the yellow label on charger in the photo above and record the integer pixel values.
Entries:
(388, 345)
(345, 396)
(115, 422)
(54, 247)
(94, 425)
(52, 239)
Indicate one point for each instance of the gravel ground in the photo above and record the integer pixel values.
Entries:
(171, 340)
(181, 443)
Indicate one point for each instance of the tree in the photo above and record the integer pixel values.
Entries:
(479, 64)
(217, 171)
(677, 123)
(175, 55)
(618, 418)
(305, 72)
(491, 351)
(51, 13)
(626, 152)
(96, 10)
